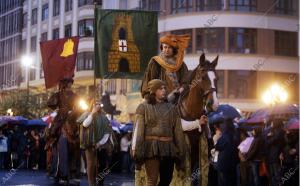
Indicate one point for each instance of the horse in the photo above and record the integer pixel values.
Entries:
(199, 99)
(202, 92)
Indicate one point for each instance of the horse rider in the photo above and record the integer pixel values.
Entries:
(169, 66)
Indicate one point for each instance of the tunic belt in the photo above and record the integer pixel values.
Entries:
(159, 138)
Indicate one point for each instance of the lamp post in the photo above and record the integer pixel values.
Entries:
(274, 95)
(27, 61)
(10, 112)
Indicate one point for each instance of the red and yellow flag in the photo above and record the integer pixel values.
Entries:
(59, 58)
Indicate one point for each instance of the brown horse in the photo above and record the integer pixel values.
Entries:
(201, 97)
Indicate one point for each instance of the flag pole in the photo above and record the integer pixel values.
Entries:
(95, 27)
(95, 87)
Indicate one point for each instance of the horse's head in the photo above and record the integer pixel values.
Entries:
(204, 80)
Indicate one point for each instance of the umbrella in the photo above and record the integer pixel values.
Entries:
(216, 118)
(115, 125)
(288, 109)
(127, 127)
(260, 116)
(11, 120)
(264, 114)
(224, 111)
(228, 111)
(35, 122)
(292, 124)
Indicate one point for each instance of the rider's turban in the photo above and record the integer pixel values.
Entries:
(180, 42)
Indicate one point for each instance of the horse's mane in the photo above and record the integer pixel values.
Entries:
(193, 74)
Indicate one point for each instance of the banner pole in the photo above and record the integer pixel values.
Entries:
(95, 27)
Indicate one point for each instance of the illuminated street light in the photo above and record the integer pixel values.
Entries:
(26, 60)
(9, 112)
(83, 105)
(275, 94)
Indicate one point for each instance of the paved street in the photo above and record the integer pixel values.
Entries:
(35, 178)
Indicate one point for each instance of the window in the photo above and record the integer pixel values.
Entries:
(123, 89)
(123, 4)
(45, 12)
(179, 6)
(85, 61)
(290, 82)
(242, 84)
(32, 74)
(210, 40)
(220, 83)
(86, 28)
(34, 17)
(154, 5)
(143, 4)
(6, 5)
(136, 84)
(25, 19)
(44, 36)
(243, 5)
(85, 2)
(286, 7)
(68, 5)
(23, 47)
(202, 5)
(68, 30)
(33, 44)
(56, 6)
(10, 49)
(242, 40)
(42, 75)
(55, 33)
(111, 86)
(189, 32)
(286, 43)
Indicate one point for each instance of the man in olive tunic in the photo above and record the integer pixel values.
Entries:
(168, 65)
(158, 140)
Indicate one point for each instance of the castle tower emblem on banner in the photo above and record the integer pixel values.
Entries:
(124, 55)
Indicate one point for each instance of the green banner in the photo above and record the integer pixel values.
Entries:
(125, 41)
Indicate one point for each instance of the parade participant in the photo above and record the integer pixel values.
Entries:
(158, 140)
(168, 65)
(65, 101)
(275, 143)
(95, 135)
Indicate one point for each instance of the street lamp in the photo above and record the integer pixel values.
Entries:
(27, 61)
(83, 105)
(275, 94)
(10, 112)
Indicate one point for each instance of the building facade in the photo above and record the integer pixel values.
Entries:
(257, 43)
(53, 19)
(10, 41)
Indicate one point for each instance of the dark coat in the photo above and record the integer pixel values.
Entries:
(228, 154)
(255, 152)
(274, 146)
